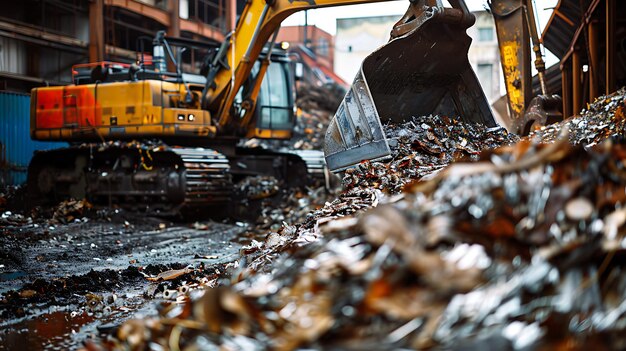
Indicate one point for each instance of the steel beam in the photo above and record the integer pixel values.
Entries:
(594, 67)
(610, 46)
(96, 30)
(143, 9)
(577, 93)
(202, 29)
(566, 92)
(40, 38)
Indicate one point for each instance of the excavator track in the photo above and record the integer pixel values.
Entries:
(208, 180)
(152, 179)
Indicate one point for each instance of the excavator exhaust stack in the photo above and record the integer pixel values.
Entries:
(422, 70)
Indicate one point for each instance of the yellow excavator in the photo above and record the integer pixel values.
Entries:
(199, 121)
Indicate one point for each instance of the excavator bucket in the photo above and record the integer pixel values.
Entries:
(422, 70)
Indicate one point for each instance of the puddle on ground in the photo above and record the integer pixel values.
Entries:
(51, 331)
(6, 276)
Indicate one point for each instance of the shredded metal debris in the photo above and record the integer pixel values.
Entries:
(600, 120)
(422, 146)
(69, 210)
(516, 248)
(258, 187)
(317, 106)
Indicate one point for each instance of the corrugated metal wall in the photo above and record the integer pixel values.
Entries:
(16, 147)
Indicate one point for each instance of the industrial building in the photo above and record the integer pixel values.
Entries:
(315, 49)
(40, 40)
(588, 37)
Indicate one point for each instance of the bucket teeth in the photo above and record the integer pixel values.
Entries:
(355, 133)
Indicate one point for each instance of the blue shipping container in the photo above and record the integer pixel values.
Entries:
(16, 147)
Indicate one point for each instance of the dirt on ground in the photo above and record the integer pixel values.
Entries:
(60, 282)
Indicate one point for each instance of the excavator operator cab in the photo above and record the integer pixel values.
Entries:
(275, 106)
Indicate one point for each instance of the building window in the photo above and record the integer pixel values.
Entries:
(162, 4)
(484, 72)
(183, 9)
(322, 46)
(207, 11)
(485, 34)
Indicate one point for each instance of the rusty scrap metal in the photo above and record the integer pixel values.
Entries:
(504, 267)
(519, 248)
(317, 105)
(171, 274)
(68, 210)
(422, 146)
(258, 187)
(604, 118)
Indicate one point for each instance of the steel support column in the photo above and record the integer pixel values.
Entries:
(231, 14)
(96, 30)
(173, 30)
(610, 46)
(566, 86)
(577, 93)
(174, 9)
(594, 67)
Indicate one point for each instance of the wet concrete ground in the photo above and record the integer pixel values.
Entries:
(61, 284)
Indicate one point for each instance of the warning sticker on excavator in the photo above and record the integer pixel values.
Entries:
(512, 75)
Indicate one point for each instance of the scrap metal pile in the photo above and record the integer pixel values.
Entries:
(521, 248)
(317, 106)
(319, 98)
(601, 120)
(293, 206)
(258, 187)
(421, 146)
(310, 129)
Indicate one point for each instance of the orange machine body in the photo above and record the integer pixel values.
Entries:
(116, 110)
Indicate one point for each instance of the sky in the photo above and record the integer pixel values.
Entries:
(325, 18)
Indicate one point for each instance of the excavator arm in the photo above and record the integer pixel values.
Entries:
(516, 26)
(259, 20)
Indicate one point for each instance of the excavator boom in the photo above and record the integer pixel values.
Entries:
(258, 22)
